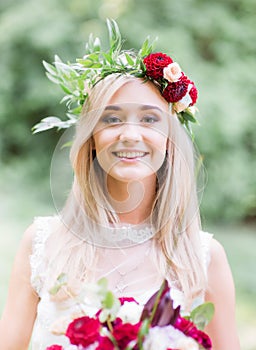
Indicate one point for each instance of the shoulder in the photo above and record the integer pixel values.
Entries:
(218, 254)
(219, 271)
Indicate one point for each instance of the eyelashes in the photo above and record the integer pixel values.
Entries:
(145, 119)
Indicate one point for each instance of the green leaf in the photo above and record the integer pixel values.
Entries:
(103, 283)
(189, 117)
(115, 40)
(62, 278)
(50, 68)
(129, 59)
(61, 281)
(142, 332)
(108, 301)
(53, 78)
(107, 57)
(97, 45)
(202, 315)
(65, 89)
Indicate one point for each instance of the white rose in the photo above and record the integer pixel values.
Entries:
(172, 72)
(187, 344)
(130, 312)
(157, 338)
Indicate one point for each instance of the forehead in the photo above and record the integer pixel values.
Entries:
(138, 92)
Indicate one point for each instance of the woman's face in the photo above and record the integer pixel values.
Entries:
(131, 136)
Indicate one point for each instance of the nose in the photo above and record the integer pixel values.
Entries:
(130, 132)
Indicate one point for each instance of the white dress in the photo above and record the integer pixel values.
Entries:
(50, 314)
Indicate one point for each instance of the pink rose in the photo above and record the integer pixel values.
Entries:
(172, 72)
(55, 347)
(83, 331)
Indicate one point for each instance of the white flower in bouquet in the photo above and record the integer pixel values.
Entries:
(130, 312)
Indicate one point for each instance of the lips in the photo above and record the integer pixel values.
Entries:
(130, 154)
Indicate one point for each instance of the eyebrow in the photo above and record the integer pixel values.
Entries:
(112, 108)
(143, 108)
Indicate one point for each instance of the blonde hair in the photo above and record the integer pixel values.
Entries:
(177, 246)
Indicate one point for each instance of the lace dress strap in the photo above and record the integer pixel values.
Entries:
(37, 258)
(206, 238)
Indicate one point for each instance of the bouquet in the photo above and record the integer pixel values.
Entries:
(123, 324)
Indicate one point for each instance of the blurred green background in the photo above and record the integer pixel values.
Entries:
(213, 41)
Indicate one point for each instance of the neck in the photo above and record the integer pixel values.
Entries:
(132, 201)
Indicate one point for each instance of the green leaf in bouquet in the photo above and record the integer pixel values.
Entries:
(202, 315)
(103, 283)
(60, 282)
(109, 300)
(144, 329)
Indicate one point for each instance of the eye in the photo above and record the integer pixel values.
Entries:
(111, 119)
(150, 119)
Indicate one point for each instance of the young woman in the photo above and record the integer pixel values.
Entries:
(131, 216)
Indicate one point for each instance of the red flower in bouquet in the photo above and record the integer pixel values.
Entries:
(105, 344)
(124, 333)
(128, 299)
(83, 331)
(188, 328)
(155, 63)
(159, 324)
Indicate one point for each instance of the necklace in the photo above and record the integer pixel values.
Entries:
(121, 283)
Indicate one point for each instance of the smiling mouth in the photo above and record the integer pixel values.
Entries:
(130, 155)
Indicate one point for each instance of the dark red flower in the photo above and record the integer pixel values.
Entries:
(193, 94)
(175, 91)
(105, 344)
(83, 331)
(164, 314)
(126, 332)
(155, 63)
(55, 347)
(124, 299)
(189, 329)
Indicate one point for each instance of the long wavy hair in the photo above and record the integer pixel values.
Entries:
(175, 213)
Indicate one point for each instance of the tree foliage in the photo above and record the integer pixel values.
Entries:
(213, 41)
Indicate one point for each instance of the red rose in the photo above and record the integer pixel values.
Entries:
(175, 91)
(193, 94)
(55, 347)
(83, 331)
(125, 333)
(155, 63)
(189, 329)
(105, 344)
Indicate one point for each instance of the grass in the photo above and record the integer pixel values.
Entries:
(22, 199)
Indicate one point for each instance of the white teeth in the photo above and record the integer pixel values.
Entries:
(130, 154)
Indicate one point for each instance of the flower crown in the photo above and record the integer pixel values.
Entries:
(97, 64)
